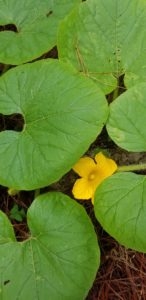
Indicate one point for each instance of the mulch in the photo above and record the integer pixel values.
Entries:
(122, 274)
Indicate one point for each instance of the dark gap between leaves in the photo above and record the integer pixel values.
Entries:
(121, 84)
(23, 199)
(120, 89)
(8, 27)
(11, 122)
(5, 67)
(53, 53)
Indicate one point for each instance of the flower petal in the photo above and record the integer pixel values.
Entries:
(84, 166)
(93, 174)
(106, 166)
(82, 189)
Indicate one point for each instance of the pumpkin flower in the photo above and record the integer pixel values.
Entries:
(92, 173)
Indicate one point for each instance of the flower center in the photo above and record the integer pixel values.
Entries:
(91, 176)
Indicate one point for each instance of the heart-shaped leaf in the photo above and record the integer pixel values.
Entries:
(127, 118)
(106, 39)
(63, 113)
(29, 28)
(120, 207)
(60, 258)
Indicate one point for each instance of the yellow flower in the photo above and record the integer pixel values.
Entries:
(93, 172)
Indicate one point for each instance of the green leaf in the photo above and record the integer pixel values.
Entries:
(16, 213)
(60, 258)
(32, 29)
(127, 118)
(63, 113)
(6, 230)
(104, 39)
(120, 207)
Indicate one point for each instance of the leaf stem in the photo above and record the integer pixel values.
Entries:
(133, 167)
(36, 193)
(115, 93)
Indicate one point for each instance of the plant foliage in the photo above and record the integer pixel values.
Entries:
(59, 108)
(62, 108)
(58, 260)
(29, 28)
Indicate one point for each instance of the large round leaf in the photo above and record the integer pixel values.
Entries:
(105, 39)
(127, 118)
(63, 113)
(120, 207)
(60, 258)
(29, 27)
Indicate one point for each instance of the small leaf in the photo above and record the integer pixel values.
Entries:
(16, 213)
(59, 260)
(127, 118)
(104, 39)
(63, 113)
(120, 207)
(29, 28)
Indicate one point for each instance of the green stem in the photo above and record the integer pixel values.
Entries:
(115, 93)
(129, 168)
(36, 193)
(12, 192)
